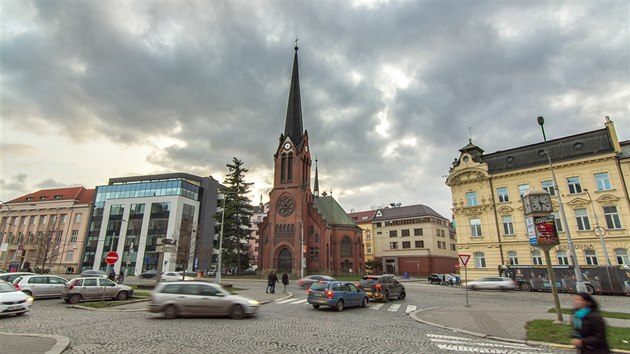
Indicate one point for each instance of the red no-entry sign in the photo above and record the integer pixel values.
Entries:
(111, 258)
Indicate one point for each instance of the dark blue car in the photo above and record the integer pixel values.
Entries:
(336, 294)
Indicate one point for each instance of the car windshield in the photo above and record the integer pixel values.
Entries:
(6, 288)
(319, 286)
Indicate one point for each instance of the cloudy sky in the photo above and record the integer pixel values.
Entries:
(390, 90)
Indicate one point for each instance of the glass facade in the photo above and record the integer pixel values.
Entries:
(147, 189)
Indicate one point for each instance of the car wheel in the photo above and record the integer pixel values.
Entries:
(27, 293)
(402, 295)
(473, 287)
(386, 297)
(74, 299)
(590, 290)
(237, 312)
(20, 314)
(364, 303)
(315, 306)
(340, 306)
(122, 296)
(526, 287)
(170, 312)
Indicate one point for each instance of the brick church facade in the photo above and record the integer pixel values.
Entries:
(299, 219)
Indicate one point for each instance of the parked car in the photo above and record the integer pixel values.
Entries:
(382, 287)
(195, 298)
(93, 273)
(174, 276)
(496, 283)
(92, 288)
(10, 277)
(336, 294)
(435, 278)
(306, 282)
(39, 286)
(249, 271)
(149, 274)
(13, 301)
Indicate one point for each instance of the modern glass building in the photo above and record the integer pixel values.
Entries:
(131, 214)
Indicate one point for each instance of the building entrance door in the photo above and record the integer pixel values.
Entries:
(285, 261)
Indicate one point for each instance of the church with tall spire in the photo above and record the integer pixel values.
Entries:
(300, 223)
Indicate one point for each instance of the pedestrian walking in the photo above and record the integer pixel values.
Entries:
(272, 279)
(269, 281)
(589, 329)
(112, 274)
(285, 281)
(121, 277)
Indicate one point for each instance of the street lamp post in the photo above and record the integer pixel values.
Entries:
(302, 260)
(218, 274)
(579, 283)
(598, 229)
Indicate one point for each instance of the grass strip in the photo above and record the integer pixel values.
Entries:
(547, 331)
(619, 315)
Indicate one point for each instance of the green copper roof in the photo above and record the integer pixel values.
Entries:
(332, 212)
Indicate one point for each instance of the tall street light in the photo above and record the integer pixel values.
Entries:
(579, 282)
(598, 229)
(218, 274)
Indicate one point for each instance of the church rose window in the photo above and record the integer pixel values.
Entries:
(286, 205)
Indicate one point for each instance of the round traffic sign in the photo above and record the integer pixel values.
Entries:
(111, 257)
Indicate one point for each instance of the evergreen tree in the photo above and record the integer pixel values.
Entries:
(238, 212)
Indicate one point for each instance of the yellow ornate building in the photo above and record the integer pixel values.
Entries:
(592, 171)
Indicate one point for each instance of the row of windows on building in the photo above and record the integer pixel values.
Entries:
(43, 219)
(583, 223)
(425, 220)
(417, 244)
(416, 232)
(602, 180)
(31, 237)
(590, 258)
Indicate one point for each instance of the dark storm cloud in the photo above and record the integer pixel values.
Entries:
(215, 77)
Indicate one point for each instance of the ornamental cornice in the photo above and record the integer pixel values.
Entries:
(578, 202)
(505, 210)
(607, 199)
(471, 175)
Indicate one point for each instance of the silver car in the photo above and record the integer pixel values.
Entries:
(13, 301)
(10, 277)
(195, 298)
(39, 286)
(492, 283)
(80, 289)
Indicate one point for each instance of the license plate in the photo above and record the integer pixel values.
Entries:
(367, 289)
(15, 307)
(318, 294)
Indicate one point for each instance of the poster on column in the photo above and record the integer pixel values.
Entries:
(546, 234)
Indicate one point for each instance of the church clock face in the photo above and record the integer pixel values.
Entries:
(286, 205)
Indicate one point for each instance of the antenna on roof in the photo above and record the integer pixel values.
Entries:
(470, 134)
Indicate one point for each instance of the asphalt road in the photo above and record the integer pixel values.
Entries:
(290, 325)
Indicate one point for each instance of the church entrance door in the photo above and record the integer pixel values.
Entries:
(285, 261)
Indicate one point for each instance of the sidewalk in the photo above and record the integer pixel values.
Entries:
(505, 323)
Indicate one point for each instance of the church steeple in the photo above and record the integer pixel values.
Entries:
(293, 125)
(316, 184)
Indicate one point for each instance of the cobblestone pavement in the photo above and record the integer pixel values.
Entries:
(281, 326)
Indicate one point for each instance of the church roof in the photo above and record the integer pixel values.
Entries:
(293, 124)
(332, 212)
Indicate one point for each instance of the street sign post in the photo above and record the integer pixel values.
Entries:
(111, 258)
(464, 259)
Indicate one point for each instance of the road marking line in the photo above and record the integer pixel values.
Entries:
(486, 344)
(459, 348)
(410, 308)
(376, 306)
(298, 302)
(393, 308)
(285, 301)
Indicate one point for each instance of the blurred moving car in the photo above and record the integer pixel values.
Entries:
(435, 278)
(80, 289)
(13, 301)
(496, 283)
(382, 287)
(10, 277)
(39, 286)
(306, 282)
(195, 298)
(93, 273)
(336, 294)
(149, 274)
(175, 276)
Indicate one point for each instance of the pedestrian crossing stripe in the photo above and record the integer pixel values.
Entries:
(461, 344)
(371, 306)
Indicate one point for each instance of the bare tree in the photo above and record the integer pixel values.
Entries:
(47, 244)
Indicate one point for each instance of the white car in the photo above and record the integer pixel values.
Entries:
(495, 283)
(174, 276)
(13, 301)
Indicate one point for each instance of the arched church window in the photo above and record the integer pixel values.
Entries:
(290, 168)
(283, 168)
(346, 247)
(316, 238)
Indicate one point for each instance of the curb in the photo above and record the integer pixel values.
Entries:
(111, 309)
(60, 345)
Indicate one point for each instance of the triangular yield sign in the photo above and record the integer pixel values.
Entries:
(464, 258)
